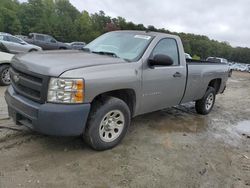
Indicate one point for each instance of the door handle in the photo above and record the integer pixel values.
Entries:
(177, 74)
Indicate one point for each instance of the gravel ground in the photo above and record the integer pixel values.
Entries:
(174, 147)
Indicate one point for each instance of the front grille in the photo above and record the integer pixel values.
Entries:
(29, 84)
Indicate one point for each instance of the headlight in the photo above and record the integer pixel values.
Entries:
(66, 90)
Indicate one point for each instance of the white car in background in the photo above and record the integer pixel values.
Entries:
(243, 68)
(248, 66)
(217, 60)
(17, 45)
(5, 59)
(240, 67)
(188, 56)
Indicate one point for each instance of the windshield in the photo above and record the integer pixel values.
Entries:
(128, 46)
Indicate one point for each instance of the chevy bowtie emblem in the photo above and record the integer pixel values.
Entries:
(16, 78)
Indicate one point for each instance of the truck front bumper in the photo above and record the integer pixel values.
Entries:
(48, 118)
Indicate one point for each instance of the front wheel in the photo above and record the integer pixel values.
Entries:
(4, 75)
(107, 124)
(205, 105)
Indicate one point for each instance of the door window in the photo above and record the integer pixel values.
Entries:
(3, 37)
(14, 39)
(50, 39)
(168, 47)
(40, 37)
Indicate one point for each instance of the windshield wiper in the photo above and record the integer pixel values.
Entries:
(109, 54)
(106, 53)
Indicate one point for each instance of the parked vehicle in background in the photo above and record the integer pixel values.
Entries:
(238, 67)
(77, 45)
(46, 42)
(217, 60)
(23, 37)
(221, 60)
(242, 67)
(248, 66)
(3, 33)
(5, 59)
(188, 56)
(17, 45)
(95, 92)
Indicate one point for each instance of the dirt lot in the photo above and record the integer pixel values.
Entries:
(170, 148)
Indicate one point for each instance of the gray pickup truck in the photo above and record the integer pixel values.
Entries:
(46, 42)
(96, 91)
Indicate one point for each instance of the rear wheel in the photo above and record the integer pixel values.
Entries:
(4, 75)
(108, 123)
(205, 105)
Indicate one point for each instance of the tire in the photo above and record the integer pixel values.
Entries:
(230, 73)
(107, 124)
(4, 75)
(206, 104)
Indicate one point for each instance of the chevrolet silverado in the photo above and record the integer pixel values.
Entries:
(96, 91)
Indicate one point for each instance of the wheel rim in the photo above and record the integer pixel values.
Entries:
(111, 126)
(6, 76)
(209, 101)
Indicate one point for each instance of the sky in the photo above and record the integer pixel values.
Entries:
(222, 20)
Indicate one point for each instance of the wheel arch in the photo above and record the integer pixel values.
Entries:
(4, 63)
(126, 95)
(216, 84)
(7, 65)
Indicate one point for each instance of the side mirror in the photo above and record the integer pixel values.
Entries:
(23, 43)
(161, 59)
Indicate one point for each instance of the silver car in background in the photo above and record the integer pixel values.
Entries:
(77, 45)
(221, 60)
(217, 60)
(16, 45)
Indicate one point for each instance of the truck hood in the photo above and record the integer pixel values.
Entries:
(54, 63)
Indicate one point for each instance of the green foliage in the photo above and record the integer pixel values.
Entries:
(62, 20)
(9, 21)
(196, 57)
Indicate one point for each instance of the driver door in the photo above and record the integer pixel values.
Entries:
(163, 86)
(51, 43)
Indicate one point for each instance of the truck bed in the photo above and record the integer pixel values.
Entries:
(199, 74)
(202, 62)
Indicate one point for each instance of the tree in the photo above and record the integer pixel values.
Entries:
(9, 21)
(151, 28)
(111, 27)
(84, 27)
(99, 21)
